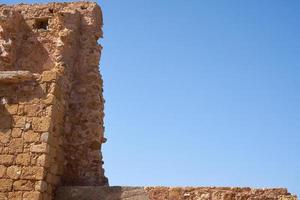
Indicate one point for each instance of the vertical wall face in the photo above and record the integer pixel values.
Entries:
(51, 104)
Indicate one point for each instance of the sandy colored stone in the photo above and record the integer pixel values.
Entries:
(48, 76)
(16, 145)
(23, 185)
(41, 186)
(41, 124)
(32, 196)
(16, 195)
(23, 159)
(16, 132)
(18, 121)
(33, 110)
(15, 76)
(2, 171)
(6, 159)
(31, 136)
(5, 135)
(32, 173)
(40, 148)
(5, 185)
(43, 161)
(13, 172)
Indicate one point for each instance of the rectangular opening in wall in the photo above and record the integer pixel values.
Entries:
(41, 24)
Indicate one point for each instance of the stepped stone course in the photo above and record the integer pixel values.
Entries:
(51, 111)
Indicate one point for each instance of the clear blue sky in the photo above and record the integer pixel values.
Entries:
(202, 93)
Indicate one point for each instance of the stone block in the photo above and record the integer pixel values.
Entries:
(32, 196)
(6, 159)
(43, 161)
(15, 195)
(16, 132)
(32, 173)
(41, 186)
(48, 76)
(5, 135)
(41, 124)
(23, 185)
(40, 148)
(16, 145)
(33, 110)
(23, 159)
(2, 171)
(45, 137)
(13, 172)
(5, 185)
(31, 136)
(18, 121)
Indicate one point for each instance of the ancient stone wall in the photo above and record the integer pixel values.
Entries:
(51, 112)
(51, 104)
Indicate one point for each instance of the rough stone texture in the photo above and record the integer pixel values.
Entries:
(51, 104)
(51, 111)
(171, 193)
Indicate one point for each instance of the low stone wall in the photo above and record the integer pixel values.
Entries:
(171, 193)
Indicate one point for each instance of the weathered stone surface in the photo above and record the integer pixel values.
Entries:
(51, 110)
(23, 159)
(167, 193)
(13, 172)
(5, 185)
(40, 148)
(33, 173)
(6, 159)
(23, 185)
(16, 76)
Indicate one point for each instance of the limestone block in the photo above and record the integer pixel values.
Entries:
(31, 136)
(23, 185)
(16, 76)
(16, 145)
(2, 171)
(5, 135)
(43, 161)
(48, 76)
(18, 121)
(6, 159)
(40, 148)
(45, 137)
(32, 173)
(5, 185)
(41, 186)
(16, 132)
(15, 195)
(23, 159)
(41, 124)
(32, 110)
(13, 172)
(32, 196)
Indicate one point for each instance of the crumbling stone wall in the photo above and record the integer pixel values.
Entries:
(51, 103)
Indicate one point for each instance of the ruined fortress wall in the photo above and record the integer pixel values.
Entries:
(51, 104)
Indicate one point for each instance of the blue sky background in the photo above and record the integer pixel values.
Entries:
(202, 93)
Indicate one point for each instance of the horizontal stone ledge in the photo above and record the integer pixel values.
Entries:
(10, 77)
(170, 193)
